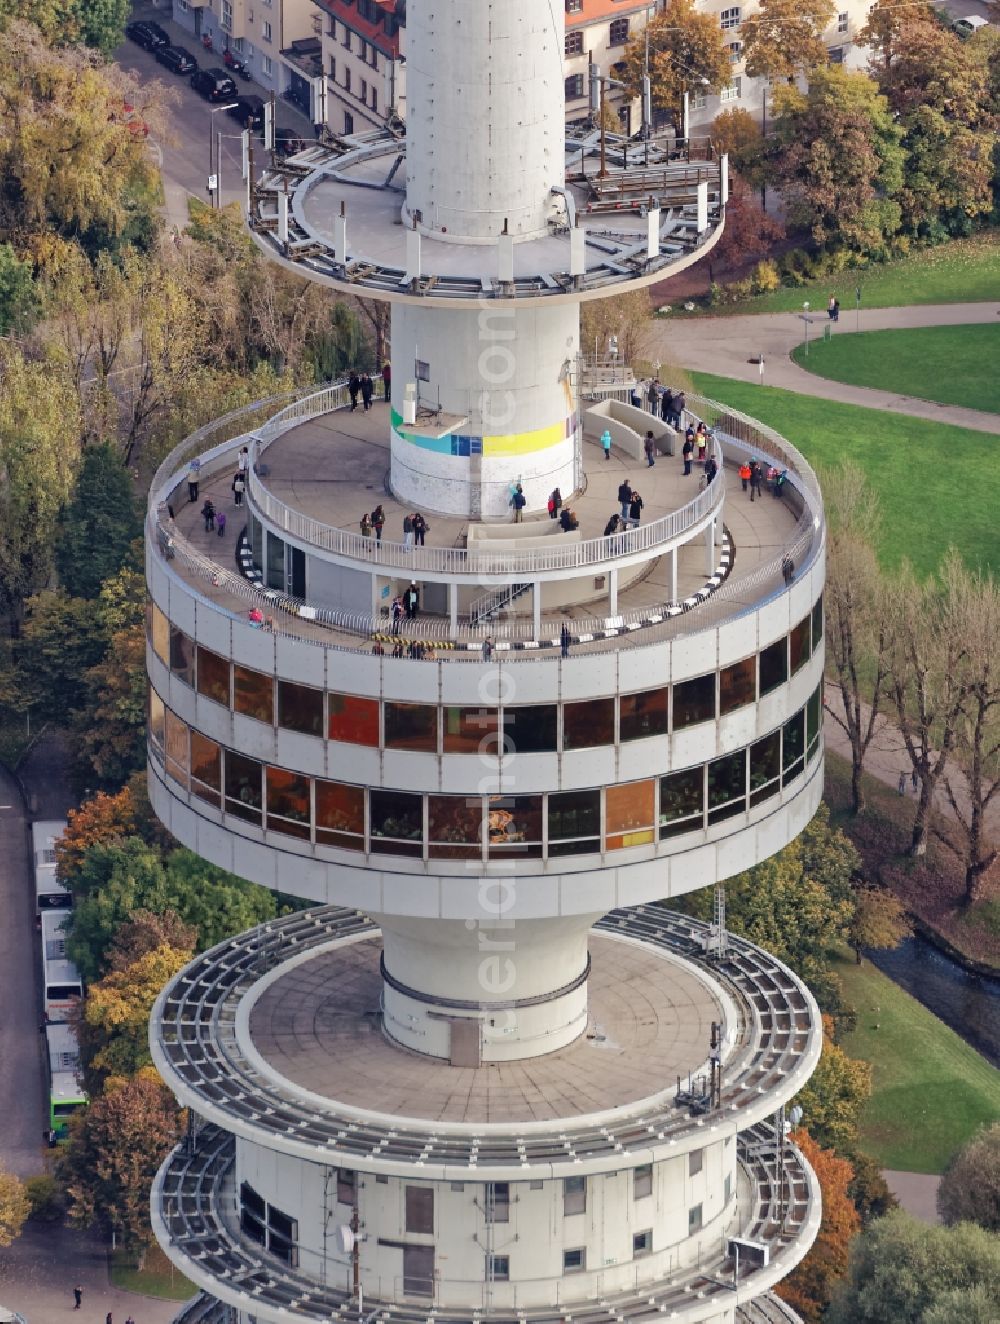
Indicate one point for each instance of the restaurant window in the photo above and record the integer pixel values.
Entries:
(586, 725)
(177, 758)
(181, 655)
(694, 701)
(643, 714)
(420, 1209)
(157, 721)
(300, 708)
(275, 569)
(282, 1236)
(243, 787)
(160, 635)
(575, 1260)
(642, 1242)
(737, 685)
(530, 730)
(773, 666)
(727, 786)
(340, 815)
(765, 767)
(694, 1219)
(397, 823)
(471, 731)
(799, 644)
(213, 676)
(253, 694)
(629, 815)
(514, 826)
(817, 623)
(347, 1187)
(353, 720)
(574, 1196)
(642, 1181)
(574, 822)
(253, 1215)
(455, 827)
(288, 803)
(792, 748)
(682, 802)
(411, 726)
(206, 768)
(814, 722)
(696, 1161)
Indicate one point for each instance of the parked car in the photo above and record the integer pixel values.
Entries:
(248, 111)
(214, 84)
(971, 23)
(176, 59)
(147, 35)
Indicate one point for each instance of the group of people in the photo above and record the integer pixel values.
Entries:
(631, 504)
(408, 603)
(753, 474)
(414, 529)
(215, 520)
(661, 401)
(416, 649)
(361, 384)
(373, 522)
(695, 447)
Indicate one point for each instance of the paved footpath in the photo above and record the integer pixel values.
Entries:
(731, 346)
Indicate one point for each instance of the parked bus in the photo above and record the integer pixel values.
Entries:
(49, 892)
(62, 987)
(66, 1093)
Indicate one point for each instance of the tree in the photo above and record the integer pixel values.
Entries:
(145, 932)
(784, 38)
(927, 664)
(115, 880)
(39, 450)
(115, 1150)
(61, 639)
(216, 903)
(102, 23)
(964, 1305)
(810, 1286)
(98, 23)
(14, 1207)
(797, 904)
(879, 921)
(857, 639)
(376, 312)
(100, 818)
(98, 525)
(18, 300)
(901, 1269)
(749, 231)
(626, 317)
(970, 1188)
(838, 161)
(736, 132)
(110, 726)
(887, 31)
(686, 48)
(116, 1014)
(868, 1190)
(833, 1099)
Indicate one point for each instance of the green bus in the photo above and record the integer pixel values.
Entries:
(65, 1092)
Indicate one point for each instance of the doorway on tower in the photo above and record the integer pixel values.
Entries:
(418, 1270)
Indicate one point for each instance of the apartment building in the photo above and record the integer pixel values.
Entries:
(259, 32)
(598, 31)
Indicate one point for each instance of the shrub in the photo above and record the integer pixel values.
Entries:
(45, 1198)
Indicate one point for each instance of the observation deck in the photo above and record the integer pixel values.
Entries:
(206, 1048)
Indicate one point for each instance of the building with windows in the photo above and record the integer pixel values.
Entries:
(489, 1075)
(364, 62)
(257, 31)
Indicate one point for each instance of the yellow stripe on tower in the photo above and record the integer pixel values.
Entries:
(523, 443)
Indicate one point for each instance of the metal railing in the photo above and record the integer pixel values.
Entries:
(521, 564)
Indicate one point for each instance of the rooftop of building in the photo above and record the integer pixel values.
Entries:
(205, 1058)
(650, 1019)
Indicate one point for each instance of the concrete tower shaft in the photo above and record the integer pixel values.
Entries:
(484, 134)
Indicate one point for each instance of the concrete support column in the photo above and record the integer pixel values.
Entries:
(710, 547)
(536, 607)
(613, 592)
(673, 575)
(453, 607)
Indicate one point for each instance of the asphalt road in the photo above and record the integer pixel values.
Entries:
(183, 154)
(21, 1079)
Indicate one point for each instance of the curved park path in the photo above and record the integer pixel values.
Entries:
(731, 346)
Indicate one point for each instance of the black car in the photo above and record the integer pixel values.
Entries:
(176, 59)
(215, 84)
(149, 36)
(248, 112)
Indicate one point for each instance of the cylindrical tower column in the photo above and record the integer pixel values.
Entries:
(484, 130)
(500, 376)
(514, 990)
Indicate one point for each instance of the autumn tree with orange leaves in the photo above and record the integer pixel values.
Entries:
(101, 818)
(809, 1288)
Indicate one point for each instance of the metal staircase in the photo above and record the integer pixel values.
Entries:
(486, 607)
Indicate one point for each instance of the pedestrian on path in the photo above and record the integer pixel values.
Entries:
(411, 600)
(386, 381)
(555, 503)
(220, 524)
(606, 443)
(366, 525)
(378, 522)
(653, 396)
(745, 476)
(420, 527)
(901, 788)
(687, 451)
(244, 459)
(208, 514)
(487, 649)
(367, 391)
(649, 446)
(518, 501)
(625, 499)
(612, 525)
(353, 387)
(239, 485)
(666, 404)
(194, 473)
(108, 1319)
(397, 613)
(408, 531)
(564, 640)
(635, 510)
(754, 479)
(77, 1297)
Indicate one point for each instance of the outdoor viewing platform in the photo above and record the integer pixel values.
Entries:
(321, 473)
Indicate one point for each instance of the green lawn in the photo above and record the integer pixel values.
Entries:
(937, 483)
(931, 1091)
(158, 1278)
(954, 365)
(964, 271)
